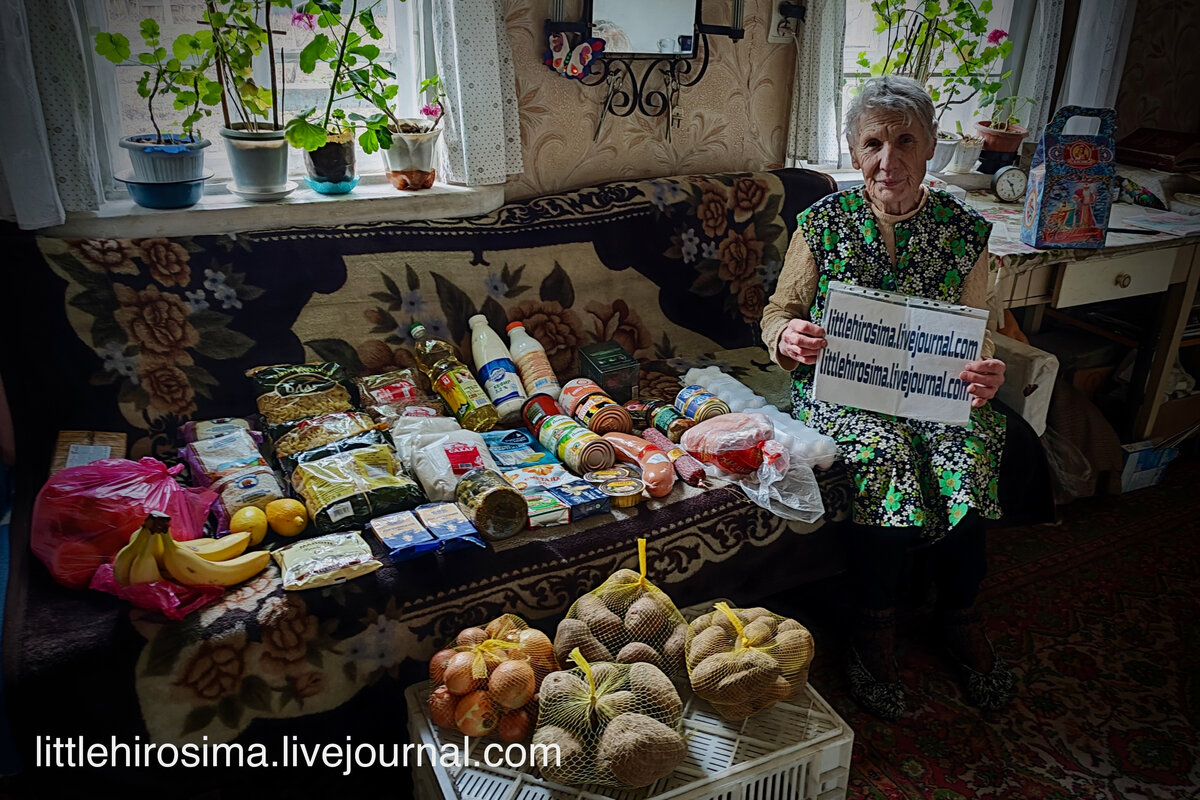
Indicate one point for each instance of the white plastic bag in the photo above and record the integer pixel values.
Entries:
(1071, 470)
(788, 490)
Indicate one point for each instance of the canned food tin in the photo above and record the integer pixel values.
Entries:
(624, 492)
(696, 403)
(599, 476)
(584, 400)
(665, 419)
(536, 409)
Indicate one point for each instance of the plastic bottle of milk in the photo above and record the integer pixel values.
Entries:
(536, 372)
(497, 372)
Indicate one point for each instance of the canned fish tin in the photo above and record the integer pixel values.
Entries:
(599, 476)
(497, 510)
(624, 492)
(536, 409)
(638, 412)
(663, 417)
(695, 403)
(584, 400)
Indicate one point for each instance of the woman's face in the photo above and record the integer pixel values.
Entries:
(891, 152)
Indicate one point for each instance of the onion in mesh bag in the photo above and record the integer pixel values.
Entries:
(487, 680)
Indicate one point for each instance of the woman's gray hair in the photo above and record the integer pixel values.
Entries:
(890, 93)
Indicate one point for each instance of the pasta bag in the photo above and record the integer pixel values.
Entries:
(487, 680)
(614, 724)
(627, 619)
(743, 661)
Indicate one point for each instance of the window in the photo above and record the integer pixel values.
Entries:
(123, 113)
(862, 38)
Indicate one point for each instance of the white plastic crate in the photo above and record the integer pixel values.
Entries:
(796, 750)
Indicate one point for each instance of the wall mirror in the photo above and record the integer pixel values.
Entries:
(645, 28)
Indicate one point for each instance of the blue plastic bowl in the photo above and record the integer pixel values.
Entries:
(176, 194)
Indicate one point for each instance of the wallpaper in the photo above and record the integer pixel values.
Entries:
(735, 118)
(1162, 68)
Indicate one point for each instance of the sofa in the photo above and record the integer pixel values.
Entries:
(138, 336)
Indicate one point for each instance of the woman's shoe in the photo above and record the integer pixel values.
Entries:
(884, 700)
(990, 691)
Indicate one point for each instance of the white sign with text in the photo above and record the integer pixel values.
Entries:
(896, 354)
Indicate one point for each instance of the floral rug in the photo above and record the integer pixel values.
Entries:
(1098, 619)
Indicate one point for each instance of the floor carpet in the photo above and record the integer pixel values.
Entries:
(1099, 618)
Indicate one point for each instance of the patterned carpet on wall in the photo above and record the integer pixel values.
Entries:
(1099, 618)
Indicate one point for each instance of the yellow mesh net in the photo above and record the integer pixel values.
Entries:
(626, 620)
(746, 660)
(487, 680)
(613, 724)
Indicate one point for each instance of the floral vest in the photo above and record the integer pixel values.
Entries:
(936, 249)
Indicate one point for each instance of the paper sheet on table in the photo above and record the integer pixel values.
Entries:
(1167, 222)
(896, 354)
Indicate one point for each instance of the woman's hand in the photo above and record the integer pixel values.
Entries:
(986, 377)
(803, 341)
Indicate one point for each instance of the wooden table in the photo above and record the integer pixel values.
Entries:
(1130, 265)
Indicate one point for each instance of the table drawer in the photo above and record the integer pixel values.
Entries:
(1096, 281)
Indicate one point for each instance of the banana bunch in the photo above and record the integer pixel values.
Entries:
(202, 562)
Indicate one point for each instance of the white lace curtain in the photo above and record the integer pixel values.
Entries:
(48, 159)
(482, 128)
(814, 125)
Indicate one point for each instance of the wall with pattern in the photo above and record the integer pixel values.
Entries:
(735, 118)
(1162, 68)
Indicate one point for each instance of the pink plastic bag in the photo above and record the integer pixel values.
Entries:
(174, 600)
(84, 515)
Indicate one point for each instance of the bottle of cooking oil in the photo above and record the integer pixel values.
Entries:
(453, 381)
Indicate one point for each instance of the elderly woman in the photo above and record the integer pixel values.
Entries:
(918, 482)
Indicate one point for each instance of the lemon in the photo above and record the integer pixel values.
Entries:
(287, 517)
(252, 520)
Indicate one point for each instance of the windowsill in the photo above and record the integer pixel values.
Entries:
(223, 212)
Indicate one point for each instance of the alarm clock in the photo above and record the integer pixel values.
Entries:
(1008, 184)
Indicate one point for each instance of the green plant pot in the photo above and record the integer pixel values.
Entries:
(258, 159)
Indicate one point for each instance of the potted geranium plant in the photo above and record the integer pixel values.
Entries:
(328, 139)
(1002, 134)
(254, 137)
(409, 144)
(178, 75)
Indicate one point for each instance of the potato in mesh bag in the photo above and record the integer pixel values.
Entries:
(627, 619)
(613, 724)
(487, 680)
(743, 661)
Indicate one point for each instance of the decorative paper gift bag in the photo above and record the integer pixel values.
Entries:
(1071, 183)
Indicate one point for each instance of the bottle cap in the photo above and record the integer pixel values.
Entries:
(413, 328)
(478, 319)
(515, 324)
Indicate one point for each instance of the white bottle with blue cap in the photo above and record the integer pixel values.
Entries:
(496, 369)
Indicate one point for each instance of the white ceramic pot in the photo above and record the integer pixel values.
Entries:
(943, 151)
(173, 160)
(409, 162)
(258, 159)
(964, 158)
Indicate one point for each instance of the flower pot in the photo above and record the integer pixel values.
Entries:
(258, 159)
(1008, 141)
(176, 158)
(409, 161)
(943, 151)
(331, 167)
(964, 158)
(164, 194)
